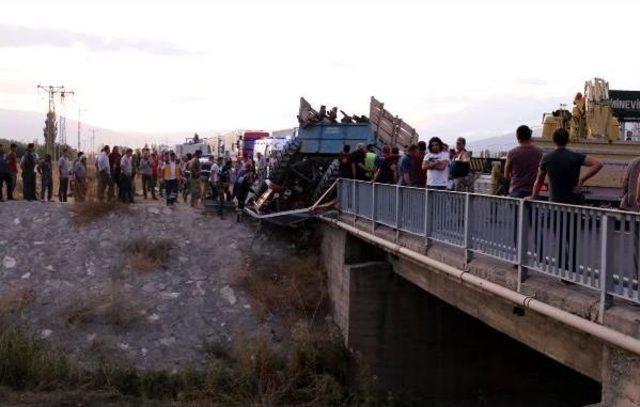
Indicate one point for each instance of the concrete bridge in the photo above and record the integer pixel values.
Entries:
(464, 296)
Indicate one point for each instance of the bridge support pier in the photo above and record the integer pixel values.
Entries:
(620, 378)
(421, 332)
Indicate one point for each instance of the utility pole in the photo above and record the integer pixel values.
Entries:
(51, 127)
(93, 140)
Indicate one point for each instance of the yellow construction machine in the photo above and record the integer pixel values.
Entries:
(597, 126)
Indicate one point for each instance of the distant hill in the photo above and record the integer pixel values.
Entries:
(497, 144)
(27, 126)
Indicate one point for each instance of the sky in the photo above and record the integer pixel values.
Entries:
(447, 67)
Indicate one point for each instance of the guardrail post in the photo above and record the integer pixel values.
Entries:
(522, 272)
(397, 212)
(467, 213)
(339, 194)
(373, 208)
(353, 202)
(605, 299)
(426, 218)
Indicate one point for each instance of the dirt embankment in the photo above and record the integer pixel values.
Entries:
(108, 305)
(148, 285)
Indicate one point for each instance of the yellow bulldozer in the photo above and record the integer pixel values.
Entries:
(596, 125)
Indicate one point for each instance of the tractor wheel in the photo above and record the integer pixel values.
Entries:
(328, 178)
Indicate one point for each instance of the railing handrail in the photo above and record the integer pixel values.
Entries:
(585, 207)
(566, 241)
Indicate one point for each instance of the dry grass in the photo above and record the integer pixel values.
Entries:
(311, 372)
(92, 210)
(293, 289)
(141, 264)
(146, 254)
(15, 299)
(115, 307)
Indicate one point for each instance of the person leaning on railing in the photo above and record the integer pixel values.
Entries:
(631, 187)
(563, 167)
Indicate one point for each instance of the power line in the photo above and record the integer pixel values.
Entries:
(50, 129)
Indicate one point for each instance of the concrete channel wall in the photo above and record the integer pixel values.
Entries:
(415, 343)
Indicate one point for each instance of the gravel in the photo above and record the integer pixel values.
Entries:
(75, 289)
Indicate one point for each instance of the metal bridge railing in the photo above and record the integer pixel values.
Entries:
(594, 247)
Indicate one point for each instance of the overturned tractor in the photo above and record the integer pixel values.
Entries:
(305, 171)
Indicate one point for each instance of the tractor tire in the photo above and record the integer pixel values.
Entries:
(328, 178)
(279, 169)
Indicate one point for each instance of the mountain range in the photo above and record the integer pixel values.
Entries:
(501, 143)
(26, 126)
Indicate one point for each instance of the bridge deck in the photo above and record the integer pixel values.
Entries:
(582, 260)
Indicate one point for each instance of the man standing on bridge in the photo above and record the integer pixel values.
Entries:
(563, 167)
(358, 168)
(522, 164)
(436, 162)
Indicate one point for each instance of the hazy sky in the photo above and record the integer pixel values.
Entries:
(474, 68)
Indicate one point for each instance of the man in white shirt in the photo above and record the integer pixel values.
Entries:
(104, 172)
(436, 162)
(126, 167)
(64, 170)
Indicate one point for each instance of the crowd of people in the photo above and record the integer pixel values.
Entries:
(31, 166)
(433, 165)
(430, 164)
(160, 174)
(220, 179)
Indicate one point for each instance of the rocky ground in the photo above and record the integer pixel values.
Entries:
(76, 287)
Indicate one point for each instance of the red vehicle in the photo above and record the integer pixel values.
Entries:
(249, 140)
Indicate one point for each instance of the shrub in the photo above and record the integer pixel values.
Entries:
(26, 364)
(91, 210)
(114, 306)
(147, 254)
(293, 289)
